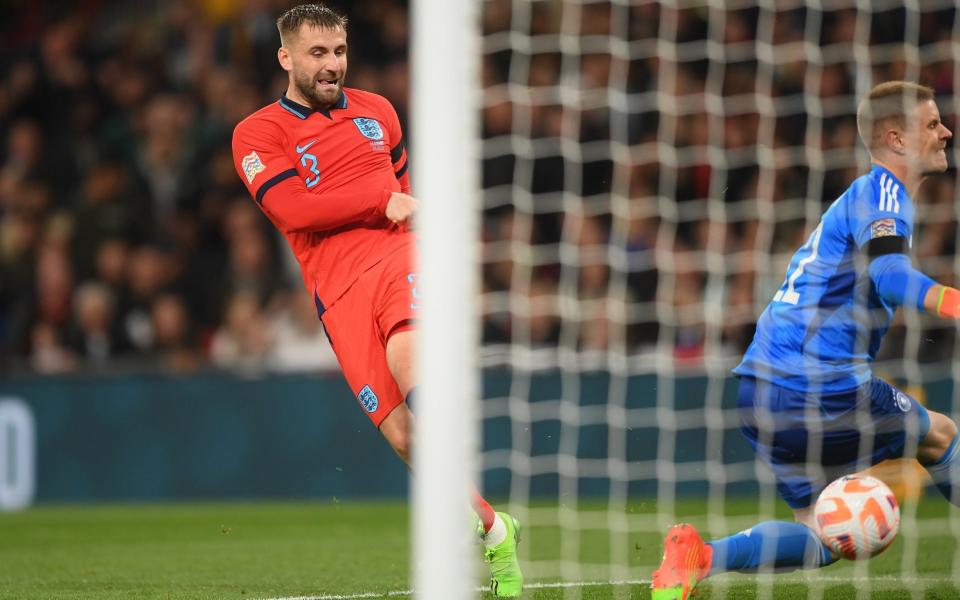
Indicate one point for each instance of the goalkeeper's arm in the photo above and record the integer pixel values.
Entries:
(898, 283)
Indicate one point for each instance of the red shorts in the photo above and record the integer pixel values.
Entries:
(381, 302)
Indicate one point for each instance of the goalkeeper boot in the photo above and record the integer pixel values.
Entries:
(506, 580)
(686, 561)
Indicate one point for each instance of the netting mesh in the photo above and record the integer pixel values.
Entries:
(648, 170)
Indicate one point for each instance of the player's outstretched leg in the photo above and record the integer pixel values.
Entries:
(945, 472)
(780, 545)
(500, 552)
(940, 454)
(686, 561)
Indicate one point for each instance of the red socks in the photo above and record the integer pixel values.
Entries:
(484, 511)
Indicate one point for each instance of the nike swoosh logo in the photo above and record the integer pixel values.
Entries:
(301, 150)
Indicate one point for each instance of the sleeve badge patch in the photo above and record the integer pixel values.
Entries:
(252, 165)
(883, 228)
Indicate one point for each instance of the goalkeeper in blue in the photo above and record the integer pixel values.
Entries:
(808, 402)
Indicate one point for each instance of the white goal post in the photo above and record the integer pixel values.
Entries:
(444, 154)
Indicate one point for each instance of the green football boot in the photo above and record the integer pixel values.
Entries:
(506, 580)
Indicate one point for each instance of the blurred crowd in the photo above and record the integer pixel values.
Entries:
(658, 166)
(633, 199)
(126, 236)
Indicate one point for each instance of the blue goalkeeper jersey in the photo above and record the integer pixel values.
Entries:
(824, 325)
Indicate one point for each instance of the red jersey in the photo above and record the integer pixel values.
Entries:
(323, 177)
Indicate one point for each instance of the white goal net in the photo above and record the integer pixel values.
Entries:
(648, 168)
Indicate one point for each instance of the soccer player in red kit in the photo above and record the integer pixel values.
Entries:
(327, 165)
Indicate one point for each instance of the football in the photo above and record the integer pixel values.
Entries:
(858, 516)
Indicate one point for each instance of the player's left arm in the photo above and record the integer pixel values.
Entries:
(398, 147)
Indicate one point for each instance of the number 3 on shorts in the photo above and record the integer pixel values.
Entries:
(412, 280)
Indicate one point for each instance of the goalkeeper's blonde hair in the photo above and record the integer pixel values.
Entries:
(887, 105)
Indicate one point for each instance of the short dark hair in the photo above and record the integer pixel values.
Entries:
(886, 102)
(318, 15)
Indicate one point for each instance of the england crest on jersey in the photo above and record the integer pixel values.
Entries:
(368, 399)
(370, 128)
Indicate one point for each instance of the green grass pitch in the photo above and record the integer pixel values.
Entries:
(354, 550)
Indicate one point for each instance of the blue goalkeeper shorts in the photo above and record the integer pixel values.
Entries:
(809, 439)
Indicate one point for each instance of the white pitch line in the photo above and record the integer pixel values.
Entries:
(395, 593)
(883, 580)
(526, 586)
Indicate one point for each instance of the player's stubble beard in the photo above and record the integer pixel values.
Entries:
(934, 164)
(307, 86)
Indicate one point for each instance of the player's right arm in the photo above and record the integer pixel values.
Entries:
(401, 207)
(272, 179)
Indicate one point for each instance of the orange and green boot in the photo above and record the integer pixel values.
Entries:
(686, 562)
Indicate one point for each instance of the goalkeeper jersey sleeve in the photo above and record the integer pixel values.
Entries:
(823, 326)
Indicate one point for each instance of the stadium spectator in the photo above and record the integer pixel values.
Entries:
(245, 340)
(250, 264)
(110, 206)
(25, 160)
(94, 335)
(48, 302)
(174, 344)
(165, 153)
(541, 318)
(300, 344)
(48, 355)
(111, 264)
(148, 275)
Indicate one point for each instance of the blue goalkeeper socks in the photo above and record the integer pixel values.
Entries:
(946, 472)
(771, 544)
